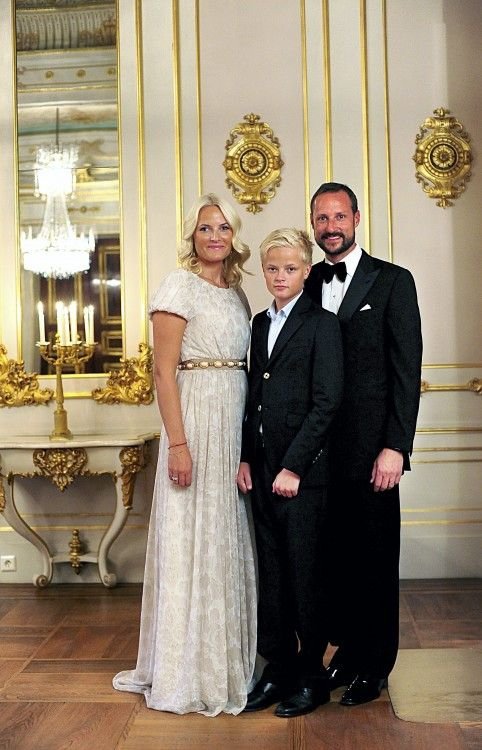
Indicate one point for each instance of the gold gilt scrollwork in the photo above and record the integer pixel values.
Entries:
(2, 492)
(17, 387)
(133, 460)
(442, 157)
(131, 383)
(253, 163)
(60, 465)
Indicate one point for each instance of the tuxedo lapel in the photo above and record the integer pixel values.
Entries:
(365, 275)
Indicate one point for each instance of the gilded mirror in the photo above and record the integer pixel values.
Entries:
(68, 174)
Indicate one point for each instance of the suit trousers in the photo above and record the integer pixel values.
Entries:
(364, 576)
(291, 544)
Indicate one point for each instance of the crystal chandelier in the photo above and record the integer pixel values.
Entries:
(56, 251)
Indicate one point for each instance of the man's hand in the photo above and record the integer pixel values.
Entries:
(387, 470)
(244, 477)
(286, 483)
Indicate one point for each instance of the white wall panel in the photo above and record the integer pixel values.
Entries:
(189, 72)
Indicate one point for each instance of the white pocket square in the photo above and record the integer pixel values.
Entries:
(365, 307)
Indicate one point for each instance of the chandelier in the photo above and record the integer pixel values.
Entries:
(57, 251)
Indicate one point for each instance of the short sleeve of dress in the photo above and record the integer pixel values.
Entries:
(174, 295)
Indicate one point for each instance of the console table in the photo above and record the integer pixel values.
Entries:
(121, 457)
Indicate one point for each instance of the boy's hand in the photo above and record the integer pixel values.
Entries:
(286, 483)
(244, 477)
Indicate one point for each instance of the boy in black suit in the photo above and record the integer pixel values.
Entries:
(295, 387)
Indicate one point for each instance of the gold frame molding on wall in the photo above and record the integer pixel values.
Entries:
(443, 157)
(253, 163)
(17, 387)
(474, 386)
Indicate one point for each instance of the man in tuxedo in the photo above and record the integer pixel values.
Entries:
(376, 304)
(295, 387)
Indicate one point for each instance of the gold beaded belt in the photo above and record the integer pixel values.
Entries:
(191, 364)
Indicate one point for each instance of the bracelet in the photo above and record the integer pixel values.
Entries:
(177, 445)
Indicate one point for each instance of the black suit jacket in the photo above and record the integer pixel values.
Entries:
(294, 393)
(380, 323)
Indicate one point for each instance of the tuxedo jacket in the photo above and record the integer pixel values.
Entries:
(295, 392)
(382, 340)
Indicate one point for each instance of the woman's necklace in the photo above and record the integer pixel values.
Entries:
(221, 285)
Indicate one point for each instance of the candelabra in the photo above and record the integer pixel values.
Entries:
(59, 355)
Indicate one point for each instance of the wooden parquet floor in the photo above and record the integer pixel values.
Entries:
(60, 647)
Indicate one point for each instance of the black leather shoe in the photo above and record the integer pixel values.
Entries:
(263, 695)
(363, 690)
(338, 676)
(302, 702)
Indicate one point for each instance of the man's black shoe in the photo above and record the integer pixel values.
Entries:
(263, 695)
(338, 676)
(363, 690)
(304, 701)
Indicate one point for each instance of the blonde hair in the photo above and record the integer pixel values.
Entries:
(240, 252)
(289, 237)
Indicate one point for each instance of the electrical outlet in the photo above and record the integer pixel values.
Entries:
(7, 563)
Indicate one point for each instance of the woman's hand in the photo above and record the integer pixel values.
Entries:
(179, 466)
(243, 478)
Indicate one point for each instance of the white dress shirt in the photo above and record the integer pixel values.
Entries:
(332, 294)
(278, 319)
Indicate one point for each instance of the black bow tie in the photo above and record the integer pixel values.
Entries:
(329, 270)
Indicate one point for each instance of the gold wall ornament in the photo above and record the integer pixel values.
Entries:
(131, 383)
(60, 465)
(17, 387)
(443, 157)
(253, 163)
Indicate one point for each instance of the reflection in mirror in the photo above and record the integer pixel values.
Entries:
(68, 163)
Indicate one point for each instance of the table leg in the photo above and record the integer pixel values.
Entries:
(132, 460)
(17, 523)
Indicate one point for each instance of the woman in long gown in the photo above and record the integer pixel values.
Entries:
(198, 621)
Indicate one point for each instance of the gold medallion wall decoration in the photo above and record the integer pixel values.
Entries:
(443, 157)
(253, 163)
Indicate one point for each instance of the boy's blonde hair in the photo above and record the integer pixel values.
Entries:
(288, 237)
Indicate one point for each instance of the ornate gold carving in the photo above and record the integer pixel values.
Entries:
(17, 387)
(132, 383)
(133, 461)
(442, 157)
(75, 546)
(60, 465)
(474, 386)
(253, 163)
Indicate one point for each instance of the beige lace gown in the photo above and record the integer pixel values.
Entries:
(198, 622)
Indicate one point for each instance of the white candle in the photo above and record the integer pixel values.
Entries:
(91, 324)
(41, 323)
(73, 321)
(59, 307)
(67, 340)
(86, 325)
